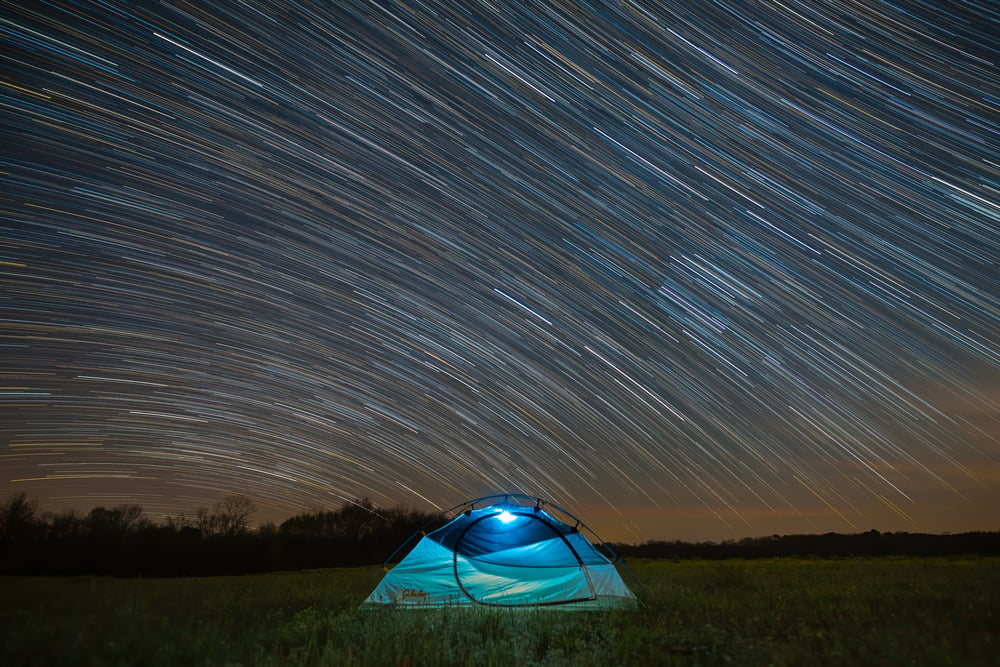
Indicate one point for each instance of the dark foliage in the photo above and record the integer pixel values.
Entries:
(871, 543)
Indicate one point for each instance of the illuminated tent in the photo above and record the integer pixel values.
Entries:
(505, 553)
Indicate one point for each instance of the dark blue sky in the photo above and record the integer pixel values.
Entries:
(697, 270)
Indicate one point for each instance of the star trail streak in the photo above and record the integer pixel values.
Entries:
(701, 269)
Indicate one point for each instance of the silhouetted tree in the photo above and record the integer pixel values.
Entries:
(179, 522)
(64, 526)
(17, 518)
(204, 521)
(351, 523)
(232, 515)
(358, 520)
(117, 521)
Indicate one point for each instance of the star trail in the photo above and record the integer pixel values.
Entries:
(700, 269)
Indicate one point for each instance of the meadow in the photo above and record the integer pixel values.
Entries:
(851, 611)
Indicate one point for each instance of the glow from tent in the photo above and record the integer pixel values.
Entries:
(506, 517)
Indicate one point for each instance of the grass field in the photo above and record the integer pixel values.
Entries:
(892, 611)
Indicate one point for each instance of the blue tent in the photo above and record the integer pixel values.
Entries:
(508, 552)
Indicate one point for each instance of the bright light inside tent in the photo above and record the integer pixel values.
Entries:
(506, 516)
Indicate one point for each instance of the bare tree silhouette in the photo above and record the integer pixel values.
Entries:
(17, 518)
(229, 517)
(119, 520)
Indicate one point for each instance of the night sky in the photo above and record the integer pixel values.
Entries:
(692, 270)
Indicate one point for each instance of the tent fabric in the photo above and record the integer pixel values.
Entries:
(506, 556)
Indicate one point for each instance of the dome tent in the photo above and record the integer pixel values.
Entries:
(505, 551)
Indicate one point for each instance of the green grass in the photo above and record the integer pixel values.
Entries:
(893, 611)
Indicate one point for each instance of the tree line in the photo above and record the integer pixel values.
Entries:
(826, 545)
(123, 541)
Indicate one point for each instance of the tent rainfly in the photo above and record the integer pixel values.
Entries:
(505, 553)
